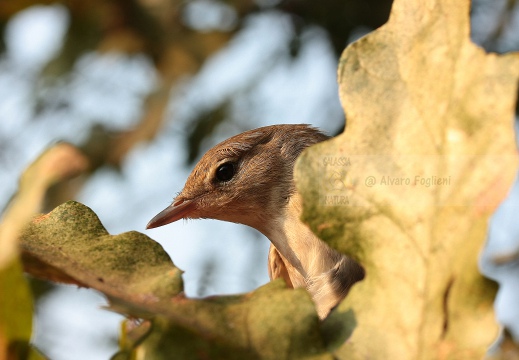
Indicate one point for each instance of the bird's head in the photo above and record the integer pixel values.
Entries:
(246, 179)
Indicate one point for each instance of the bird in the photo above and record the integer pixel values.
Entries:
(249, 179)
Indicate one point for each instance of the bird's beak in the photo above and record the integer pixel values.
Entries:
(180, 209)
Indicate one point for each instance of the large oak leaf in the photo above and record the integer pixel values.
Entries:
(408, 188)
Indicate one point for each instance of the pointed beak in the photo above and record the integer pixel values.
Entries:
(180, 209)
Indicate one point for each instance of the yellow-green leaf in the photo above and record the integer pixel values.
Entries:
(70, 245)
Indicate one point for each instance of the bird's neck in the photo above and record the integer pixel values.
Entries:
(294, 240)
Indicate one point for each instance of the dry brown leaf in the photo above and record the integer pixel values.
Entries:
(60, 162)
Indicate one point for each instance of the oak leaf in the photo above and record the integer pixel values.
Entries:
(407, 189)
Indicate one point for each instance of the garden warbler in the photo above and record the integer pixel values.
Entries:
(248, 179)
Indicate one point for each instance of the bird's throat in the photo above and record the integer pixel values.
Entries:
(294, 240)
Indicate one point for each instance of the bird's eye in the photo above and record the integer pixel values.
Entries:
(225, 172)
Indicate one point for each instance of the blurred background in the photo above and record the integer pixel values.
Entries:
(144, 88)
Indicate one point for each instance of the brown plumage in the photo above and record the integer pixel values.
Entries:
(248, 179)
